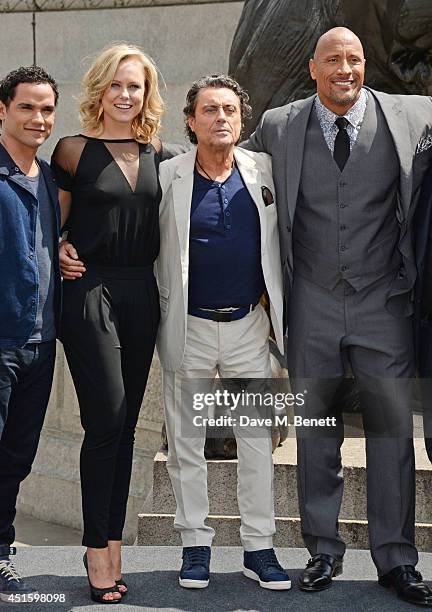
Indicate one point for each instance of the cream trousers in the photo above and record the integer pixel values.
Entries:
(236, 349)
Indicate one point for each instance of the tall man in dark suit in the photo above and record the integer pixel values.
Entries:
(343, 164)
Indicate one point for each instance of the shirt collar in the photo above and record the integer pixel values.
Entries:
(7, 165)
(354, 115)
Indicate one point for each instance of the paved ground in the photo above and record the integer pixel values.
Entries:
(152, 577)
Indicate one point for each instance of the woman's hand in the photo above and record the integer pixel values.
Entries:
(70, 266)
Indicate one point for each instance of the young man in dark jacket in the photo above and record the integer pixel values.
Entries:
(29, 289)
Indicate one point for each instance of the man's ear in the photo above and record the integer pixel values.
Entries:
(312, 69)
(3, 110)
(191, 123)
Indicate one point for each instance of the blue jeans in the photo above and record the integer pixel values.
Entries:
(25, 384)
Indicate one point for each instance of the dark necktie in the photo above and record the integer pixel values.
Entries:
(342, 143)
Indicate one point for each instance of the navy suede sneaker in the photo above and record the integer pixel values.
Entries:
(263, 566)
(13, 589)
(195, 570)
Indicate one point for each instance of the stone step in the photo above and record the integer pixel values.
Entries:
(157, 530)
(52, 492)
(222, 483)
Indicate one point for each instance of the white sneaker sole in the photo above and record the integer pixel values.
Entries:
(277, 585)
(187, 583)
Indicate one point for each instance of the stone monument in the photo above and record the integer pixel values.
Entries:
(275, 38)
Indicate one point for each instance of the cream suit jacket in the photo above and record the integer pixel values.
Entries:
(172, 266)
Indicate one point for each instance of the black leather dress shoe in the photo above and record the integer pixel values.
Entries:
(319, 571)
(408, 584)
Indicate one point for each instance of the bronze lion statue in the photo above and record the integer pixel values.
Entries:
(275, 38)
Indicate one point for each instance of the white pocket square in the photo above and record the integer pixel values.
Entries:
(424, 144)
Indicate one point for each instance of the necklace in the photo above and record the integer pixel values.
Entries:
(206, 173)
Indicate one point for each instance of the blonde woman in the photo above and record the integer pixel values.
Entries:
(109, 195)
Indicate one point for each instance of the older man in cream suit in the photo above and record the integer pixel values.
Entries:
(219, 253)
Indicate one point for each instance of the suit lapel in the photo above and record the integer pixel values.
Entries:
(297, 122)
(182, 197)
(252, 179)
(397, 122)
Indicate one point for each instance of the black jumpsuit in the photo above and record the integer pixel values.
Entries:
(111, 314)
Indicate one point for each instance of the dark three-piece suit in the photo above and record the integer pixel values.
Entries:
(349, 270)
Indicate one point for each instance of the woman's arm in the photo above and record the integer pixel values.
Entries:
(65, 199)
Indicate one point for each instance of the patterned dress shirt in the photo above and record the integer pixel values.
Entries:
(327, 120)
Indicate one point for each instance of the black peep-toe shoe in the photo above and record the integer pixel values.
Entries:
(97, 594)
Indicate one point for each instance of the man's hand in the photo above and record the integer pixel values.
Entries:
(70, 266)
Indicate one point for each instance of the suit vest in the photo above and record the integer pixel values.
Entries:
(345, 224)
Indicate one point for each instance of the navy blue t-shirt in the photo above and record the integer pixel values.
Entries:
(225, 244)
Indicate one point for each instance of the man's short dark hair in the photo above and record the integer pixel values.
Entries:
(29, 74)
(216, 81)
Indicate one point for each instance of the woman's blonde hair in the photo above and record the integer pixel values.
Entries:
(99, 77)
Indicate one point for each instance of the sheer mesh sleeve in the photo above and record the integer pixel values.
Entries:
(157, 143)
(64, 160)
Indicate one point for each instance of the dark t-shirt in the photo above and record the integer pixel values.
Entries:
(225, 244)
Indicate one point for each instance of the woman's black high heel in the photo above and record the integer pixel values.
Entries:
(97, 594)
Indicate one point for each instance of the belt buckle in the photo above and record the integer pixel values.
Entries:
(225, 315)
(227, 310)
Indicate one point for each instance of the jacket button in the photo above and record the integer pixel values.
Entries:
(31, 255)
(288, 228)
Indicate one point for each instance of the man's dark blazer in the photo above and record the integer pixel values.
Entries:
(423, 292)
